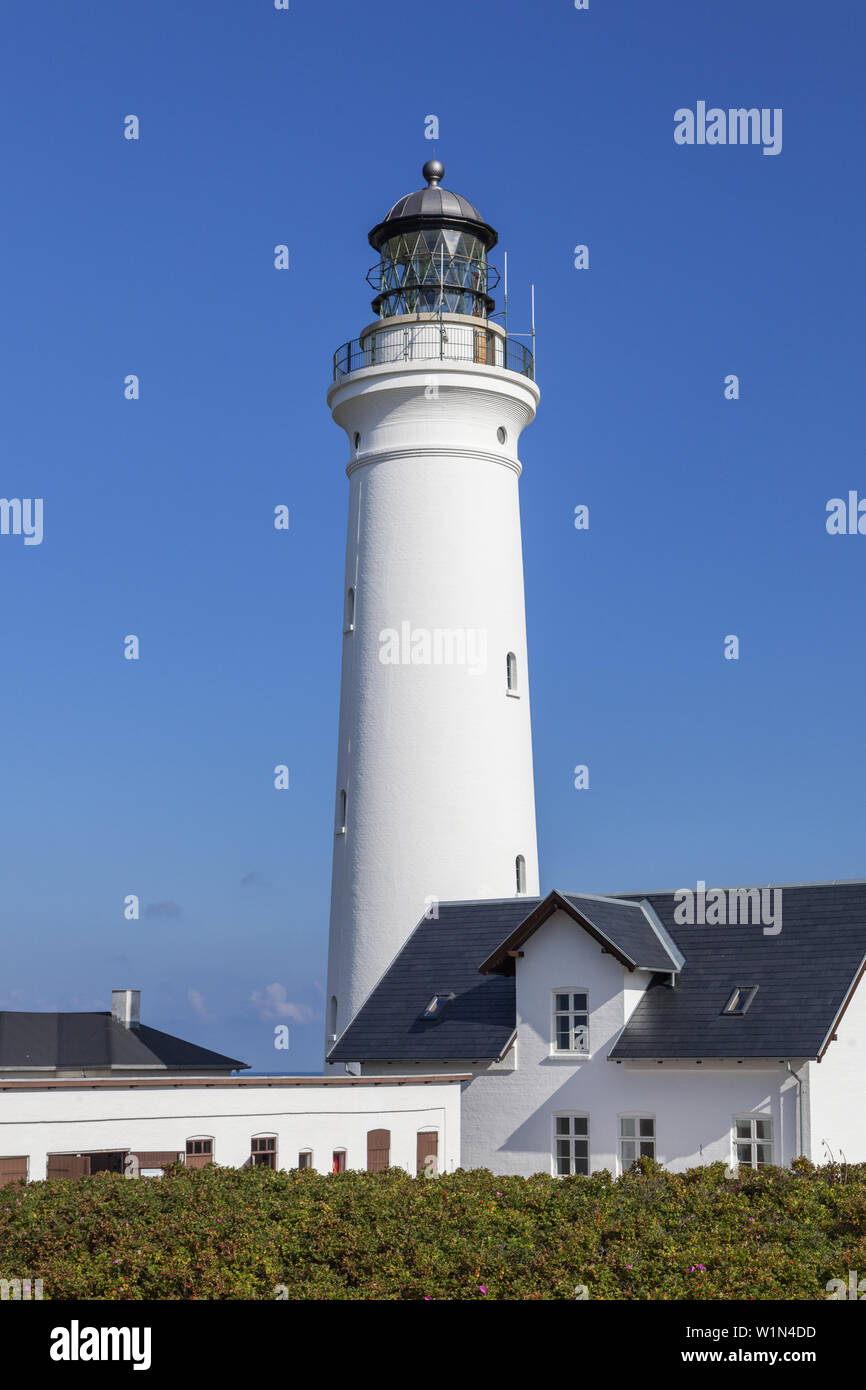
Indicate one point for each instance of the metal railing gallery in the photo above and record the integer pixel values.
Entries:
(429, 341)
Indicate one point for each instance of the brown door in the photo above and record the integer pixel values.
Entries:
(68, 1165)
(378, 1150)
(12, 1170)
(428, 1149)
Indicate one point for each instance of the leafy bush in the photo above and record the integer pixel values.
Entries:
(224, 1233)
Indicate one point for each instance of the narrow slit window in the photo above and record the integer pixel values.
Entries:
(511, 673)
(520, 874)
(349, 624)
(341, 813)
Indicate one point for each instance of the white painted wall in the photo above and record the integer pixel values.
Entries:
(39, 1120)
(837, 1111)
(436, 760)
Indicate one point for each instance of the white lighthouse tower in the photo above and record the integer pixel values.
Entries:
(435, 796)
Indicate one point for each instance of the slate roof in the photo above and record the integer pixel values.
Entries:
(442, 955)
(70, 1040)
(623, 927)
(804, 975)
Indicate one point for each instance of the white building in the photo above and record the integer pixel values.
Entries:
(65, 1129)
(595, 1029)
(84, 1093)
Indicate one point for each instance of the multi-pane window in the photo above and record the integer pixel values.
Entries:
(571, 1021)
(753, 1141)
(263, 1153)
(637, 1138)
(305, 1158)
(571, 1144)
(199, 1153)
(338, 1164)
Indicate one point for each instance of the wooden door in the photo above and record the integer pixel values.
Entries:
(68, 1165)
(428, 1149)
(378, 1150)
(13, 1170)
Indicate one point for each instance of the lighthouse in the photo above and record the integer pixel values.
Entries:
(434, 797)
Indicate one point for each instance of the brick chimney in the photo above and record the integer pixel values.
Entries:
(126, 1007)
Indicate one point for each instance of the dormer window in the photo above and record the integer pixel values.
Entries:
(437, 1006)
(739, 1001)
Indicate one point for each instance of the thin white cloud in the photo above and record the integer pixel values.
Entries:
(273, 1002)
(196, 1002)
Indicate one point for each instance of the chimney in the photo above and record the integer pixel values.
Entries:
(126, 1007)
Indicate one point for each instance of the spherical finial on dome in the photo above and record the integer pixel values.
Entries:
(434, 172)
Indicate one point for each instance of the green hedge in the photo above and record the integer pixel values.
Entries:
(223, 1233)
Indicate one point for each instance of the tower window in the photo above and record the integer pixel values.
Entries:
(502, 434)
(349, 624)
(511, 673)
(341, 813)
(357, 440)
(332, 1019)
(520, 874)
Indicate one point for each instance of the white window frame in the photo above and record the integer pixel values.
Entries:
(511, 676)
(572, 1051)
(753, 1141)
(571, 1139)
(312, 1162)
(637, 1117)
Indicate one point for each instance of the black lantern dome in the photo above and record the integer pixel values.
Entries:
(432, 248)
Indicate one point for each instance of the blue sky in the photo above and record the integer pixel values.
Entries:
(707, 516)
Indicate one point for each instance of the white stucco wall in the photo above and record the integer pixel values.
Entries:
(435, 759)
(322, 1117)
(836, 1085)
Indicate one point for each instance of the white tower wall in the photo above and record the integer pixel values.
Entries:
(435, 759)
